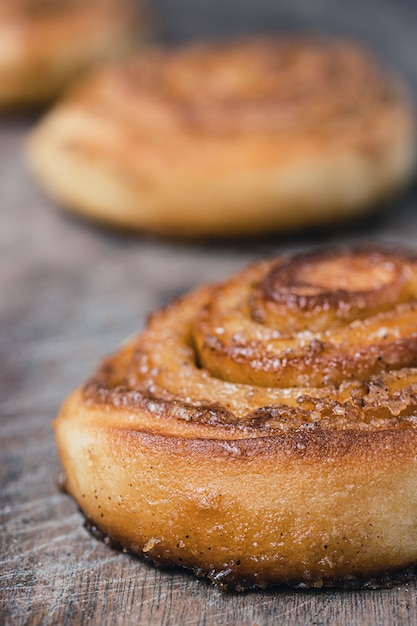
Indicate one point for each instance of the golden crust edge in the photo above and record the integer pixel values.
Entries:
(324, 187)
(347, 516)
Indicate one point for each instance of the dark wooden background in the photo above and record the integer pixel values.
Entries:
(69, 293)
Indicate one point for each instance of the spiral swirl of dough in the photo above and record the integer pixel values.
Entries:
(256, 428)
(323, 331)
(230, 137)
(304, 87)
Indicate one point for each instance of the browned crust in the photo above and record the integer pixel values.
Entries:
(252, 485)
(190, 539)
(232, 578)
(309, 443)
(45, 45)
(381, 280)
(353, 375)
(187, 142)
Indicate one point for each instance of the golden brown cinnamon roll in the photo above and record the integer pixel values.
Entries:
(45, 44)
(264, 430)
(229, 139)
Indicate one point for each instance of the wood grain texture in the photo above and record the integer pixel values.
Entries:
(69, 294)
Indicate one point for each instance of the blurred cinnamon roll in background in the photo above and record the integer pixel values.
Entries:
(264, 430)
(46, 44)
(229, 139)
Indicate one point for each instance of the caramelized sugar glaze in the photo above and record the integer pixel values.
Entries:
(263, 430)
(228, 138)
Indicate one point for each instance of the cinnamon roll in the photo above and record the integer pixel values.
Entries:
(229, 139)
(45, 44)
(262, 431)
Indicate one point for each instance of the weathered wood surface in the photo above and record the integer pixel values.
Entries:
(70, 293)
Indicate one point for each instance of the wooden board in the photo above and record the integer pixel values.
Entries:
(69, 293)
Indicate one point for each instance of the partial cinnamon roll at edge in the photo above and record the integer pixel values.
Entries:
(45, 45)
